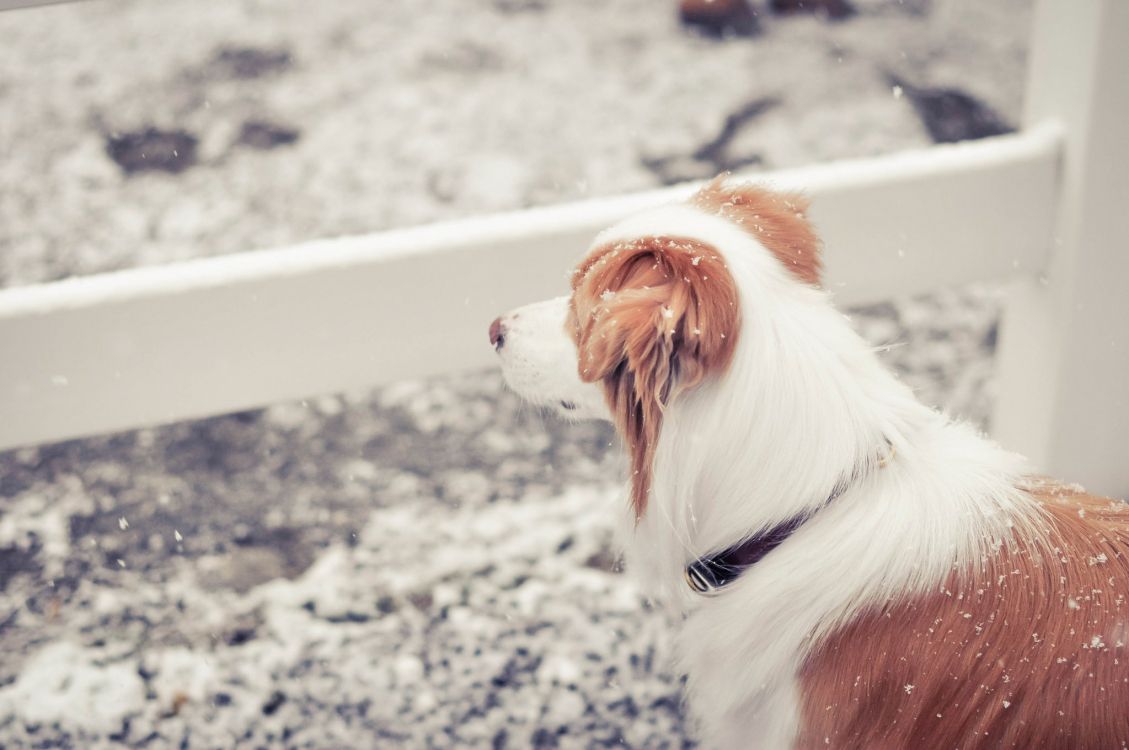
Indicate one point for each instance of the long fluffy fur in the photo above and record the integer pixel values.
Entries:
(796, 652)
(802, 404)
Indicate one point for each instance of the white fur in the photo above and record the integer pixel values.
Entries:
(539, 361)
(804, 404)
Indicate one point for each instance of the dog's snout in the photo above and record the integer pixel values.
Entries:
(497, 334)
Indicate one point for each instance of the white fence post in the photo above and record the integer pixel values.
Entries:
(1064, 342)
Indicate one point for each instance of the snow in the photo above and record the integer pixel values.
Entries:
(68, 685)
(178, 675)
(458, 113)
(429, 564)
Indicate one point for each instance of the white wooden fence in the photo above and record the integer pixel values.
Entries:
(1046, 207)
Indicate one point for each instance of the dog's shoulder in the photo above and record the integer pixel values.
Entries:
(1032, 645)
(1083, 518)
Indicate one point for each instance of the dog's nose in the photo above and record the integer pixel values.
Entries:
(497, 334)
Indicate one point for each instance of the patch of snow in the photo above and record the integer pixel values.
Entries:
(66, 684)
(180, 674)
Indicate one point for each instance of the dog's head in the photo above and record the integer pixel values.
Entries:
(655, 310)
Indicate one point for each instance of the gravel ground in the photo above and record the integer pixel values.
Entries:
(263, 124)
(427, 565)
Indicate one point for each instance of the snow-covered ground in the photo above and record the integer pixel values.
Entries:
(427, 565)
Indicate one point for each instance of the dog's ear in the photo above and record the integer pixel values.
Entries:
(652, 317)
(778, 221)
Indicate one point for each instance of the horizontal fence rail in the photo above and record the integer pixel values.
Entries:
(153, 345)
(18, 4)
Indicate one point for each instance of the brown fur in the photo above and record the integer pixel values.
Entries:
(1029, 653)
(776, 220)
(651, 317)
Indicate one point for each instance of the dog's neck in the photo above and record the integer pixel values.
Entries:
(804, 406)
(805, 402)
(709, 575)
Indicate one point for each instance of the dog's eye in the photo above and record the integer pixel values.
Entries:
(568, 405)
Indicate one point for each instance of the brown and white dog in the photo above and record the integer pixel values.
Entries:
(855, 569)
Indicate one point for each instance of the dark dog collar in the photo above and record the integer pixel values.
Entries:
(709, 575)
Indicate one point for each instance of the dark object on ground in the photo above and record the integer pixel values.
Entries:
(719, 18)
(264, 135)
(277, 698)
(716, 154)
(520, 6)
(14, 561)
(152, 149)
(717, 150)
(951, 115)
(249, 62)
(834, 9)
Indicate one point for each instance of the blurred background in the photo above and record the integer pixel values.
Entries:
(427, 564)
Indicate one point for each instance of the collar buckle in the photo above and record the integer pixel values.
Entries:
(702, 577)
